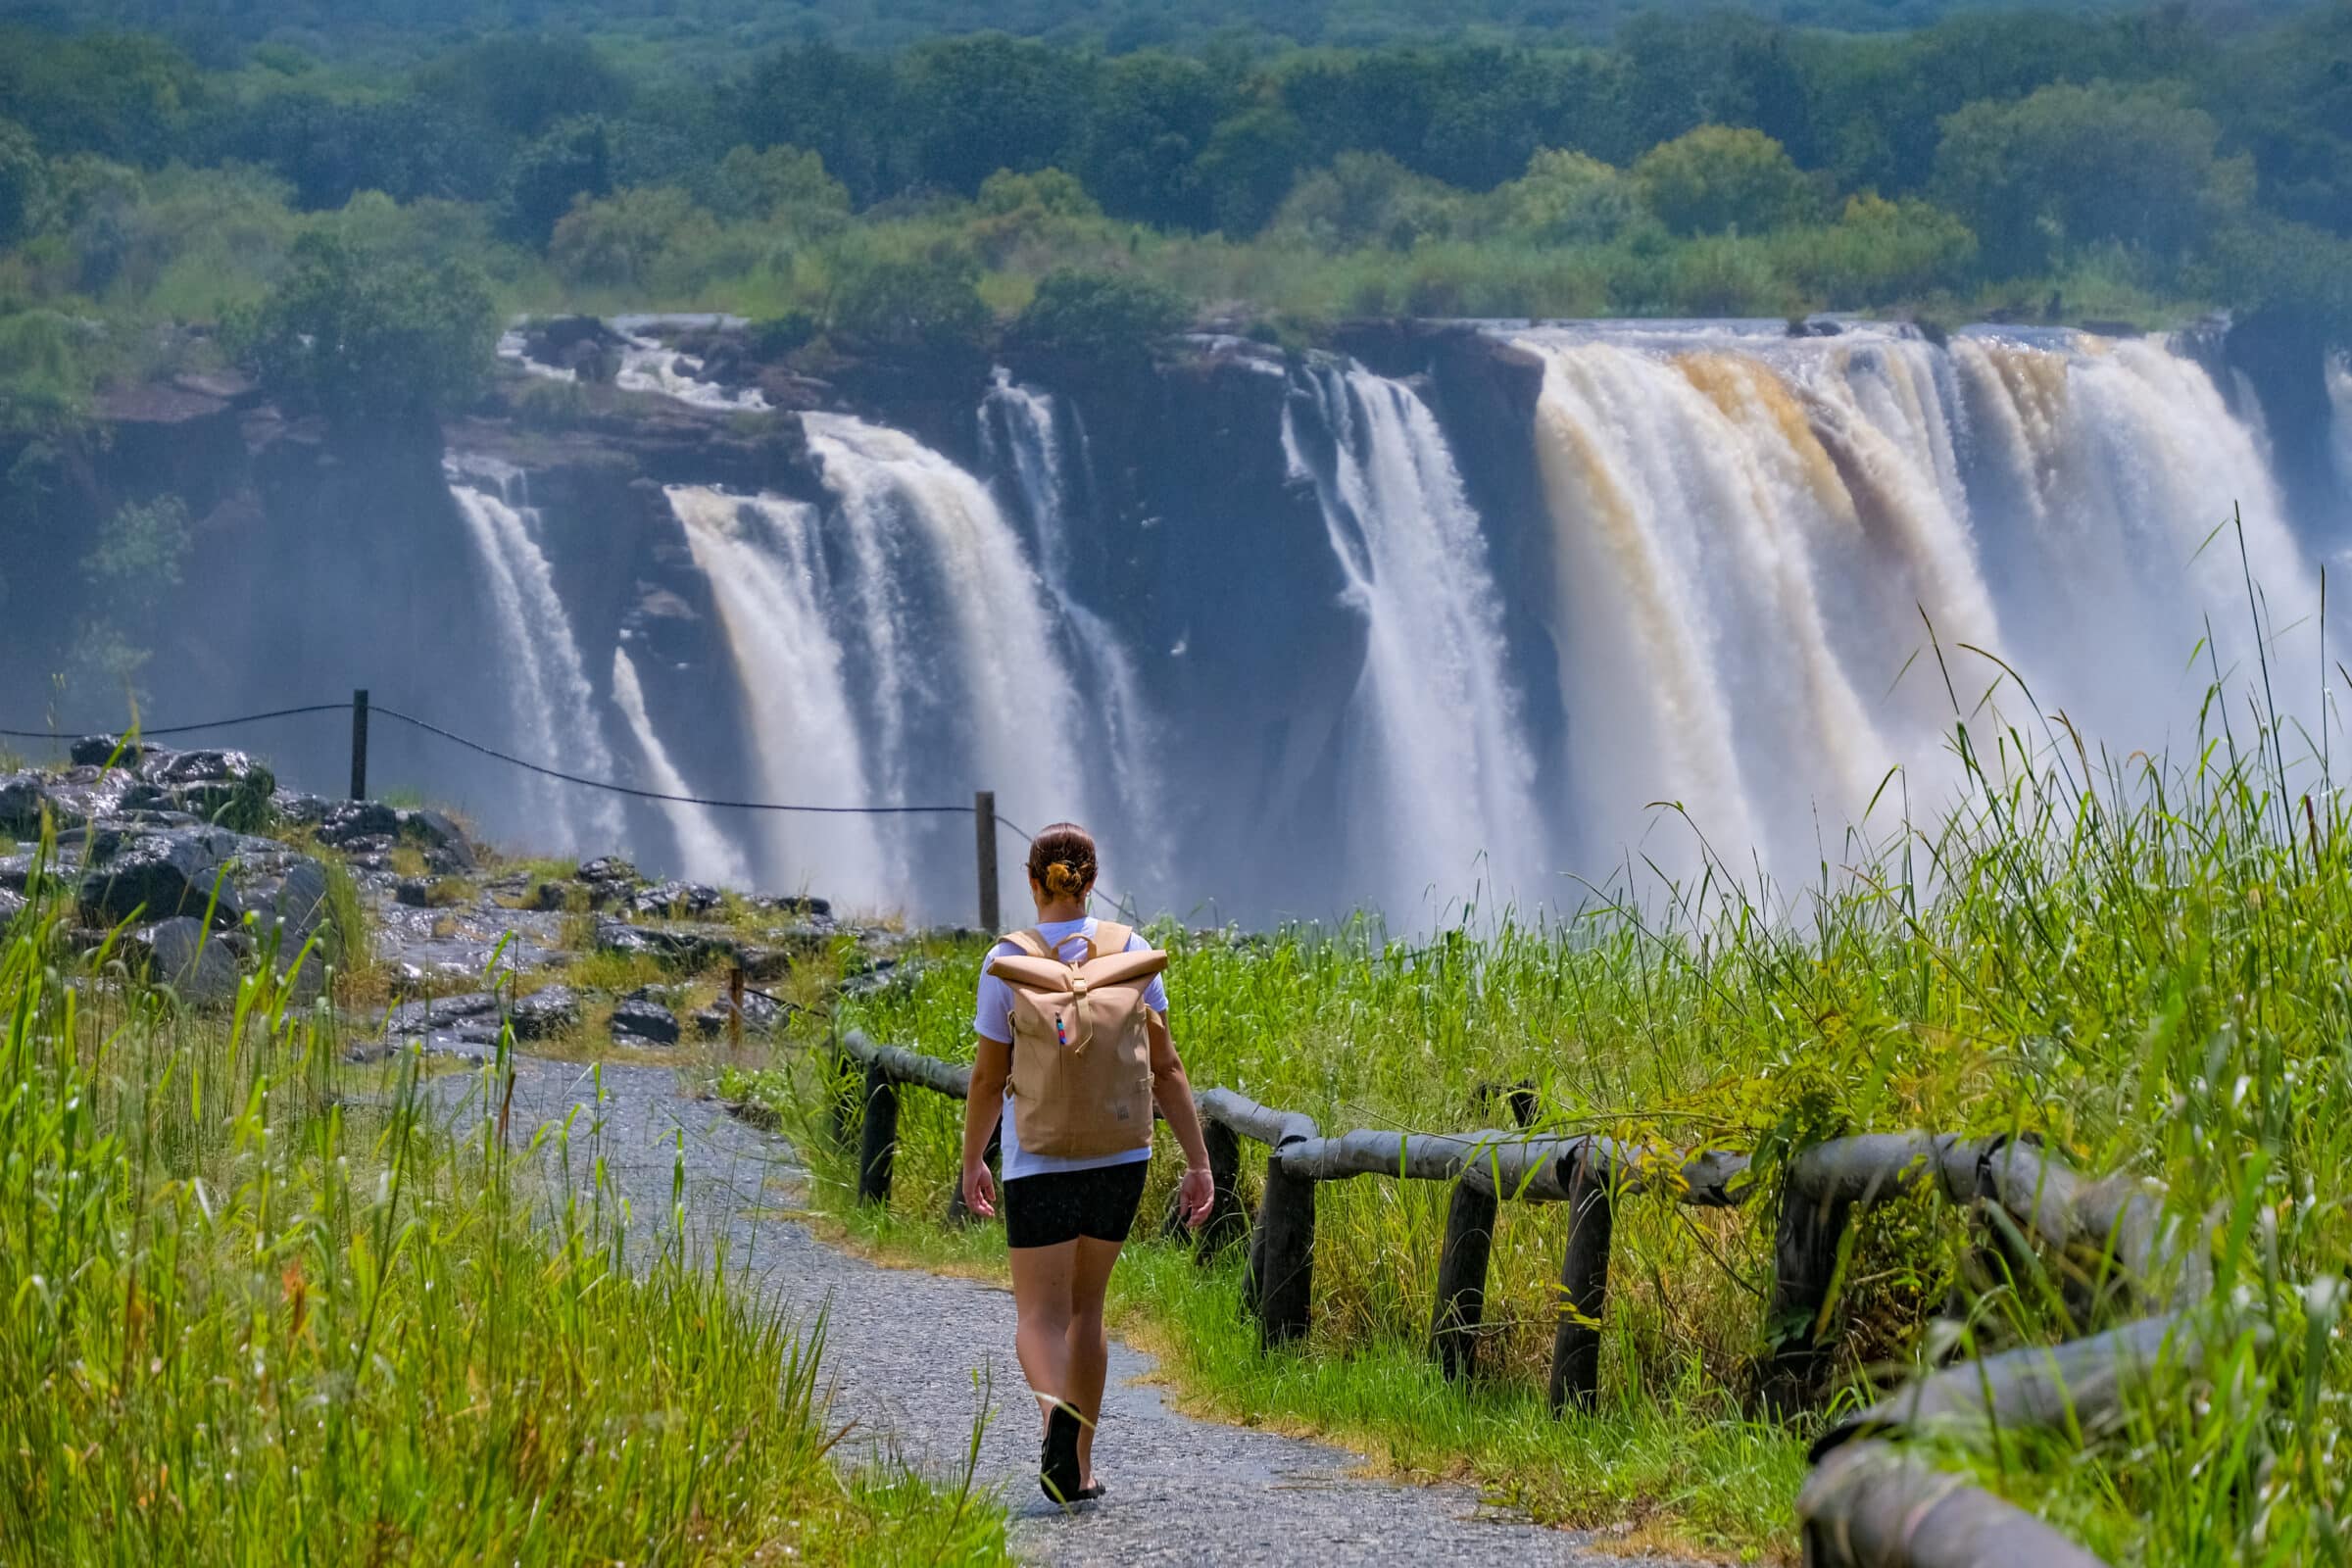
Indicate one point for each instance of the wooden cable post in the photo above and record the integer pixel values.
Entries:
(984, 845)
(359, 744)
(1285, 1256)
(878, 1146)
(1226, 1218)
(1462, 1274)
(1583, 1281)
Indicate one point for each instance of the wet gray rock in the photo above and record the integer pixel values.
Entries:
(761, 1015)
(297, 810)
(545, 1012)
(551, 898)
(639, 1020)
(609, 870)
(21, 797)
(671, 899)
(97, 751)
(447, 847)
(416, 892)
(162, 875)
(197, 964)
(289, 908)
(16, 872)
(796, 903)
(12, 904)
(358, 826)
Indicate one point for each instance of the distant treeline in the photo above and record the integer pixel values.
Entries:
(2064, 166)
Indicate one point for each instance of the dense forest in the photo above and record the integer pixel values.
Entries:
(157, 206)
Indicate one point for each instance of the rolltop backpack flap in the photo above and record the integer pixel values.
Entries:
(1081, 1049)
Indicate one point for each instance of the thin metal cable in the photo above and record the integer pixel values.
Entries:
(176, 729)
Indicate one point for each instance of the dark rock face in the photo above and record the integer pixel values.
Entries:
(179, 953)
(97, 751)
(12, 904)
(545, 1012)
(346, 823)
(761, 1015)
(669, 900)
(21, 797)
(446, 845)
(162, 875)
(641, 1019)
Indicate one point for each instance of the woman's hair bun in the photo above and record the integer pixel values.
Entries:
(1062, 860)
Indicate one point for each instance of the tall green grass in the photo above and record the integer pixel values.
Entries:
(265, 1306)
(2145, 963)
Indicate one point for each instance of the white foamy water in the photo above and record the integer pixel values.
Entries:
(648, 366)
(704, 850)
(1438, 762)
(553, 706)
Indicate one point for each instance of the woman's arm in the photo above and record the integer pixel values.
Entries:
(1174, 1093)
(983, 1108)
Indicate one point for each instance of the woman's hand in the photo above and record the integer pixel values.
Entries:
(1197, 1196)
(980, 1191)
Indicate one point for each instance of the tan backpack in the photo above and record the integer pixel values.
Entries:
(1081, 1051)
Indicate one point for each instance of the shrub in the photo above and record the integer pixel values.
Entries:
(620, 240)
(1718, 178)
(1101, 316)
(928, 299)
(361, 339)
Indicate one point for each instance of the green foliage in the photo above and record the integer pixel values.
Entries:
(523, 84)
(363, 339)
(573, 159)
(618, 242)
(1566, 198)
(23, 183)
(268, 1306)
(1101, 316)
(129, 568)
(1368, 199)
(928, 298)
(778, 182)
(2073, 165)
(1719, 178)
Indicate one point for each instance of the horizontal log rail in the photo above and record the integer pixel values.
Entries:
(1869, 1502)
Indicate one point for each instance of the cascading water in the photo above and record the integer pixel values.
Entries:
(767, 574)
(1437, 756)
(552, 704)
(1762, 546)
(1018, 433)
(704, 851)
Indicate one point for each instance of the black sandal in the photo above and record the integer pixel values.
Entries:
(1058, 1458)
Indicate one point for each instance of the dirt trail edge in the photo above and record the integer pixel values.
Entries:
(911, 1357)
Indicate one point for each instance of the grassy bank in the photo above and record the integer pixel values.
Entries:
(263, 1307)
(2140, 961)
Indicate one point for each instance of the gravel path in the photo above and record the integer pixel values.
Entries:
(911, 1353)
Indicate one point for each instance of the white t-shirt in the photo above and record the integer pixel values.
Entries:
(991, 1020)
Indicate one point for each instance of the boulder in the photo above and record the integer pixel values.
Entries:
(81, 794)
(218, 786)
(551, 898)
(291, 906)
(347, 824)
(641, 1019)
(545, 1012)
(444, 841)
(16, 872)
(670, 899)
(426, 1014)
(609, 870)
(179, 953)
(22, 797)
(797, 903)
(162, 875)
(12, 904)
(761, 1015)
(99, 751)
(299, 809)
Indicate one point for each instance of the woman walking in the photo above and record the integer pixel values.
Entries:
(1074, 1052)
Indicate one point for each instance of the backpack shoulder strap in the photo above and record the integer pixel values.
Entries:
(1031, 941)
(1111, 937)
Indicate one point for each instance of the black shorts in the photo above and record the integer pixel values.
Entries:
(1062, 1205)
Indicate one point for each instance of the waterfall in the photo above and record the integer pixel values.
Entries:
(1019, 435)
(1437, 760)
(1769, 553)
(949, 631)
(704, 851)
(767, 577)
(552, 704)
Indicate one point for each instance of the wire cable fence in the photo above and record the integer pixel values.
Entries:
(362, 710)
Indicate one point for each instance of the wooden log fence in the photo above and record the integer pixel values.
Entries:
(1867, 1503)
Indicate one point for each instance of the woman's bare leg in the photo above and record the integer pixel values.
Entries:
(1087, 1353)
(1041, 1299)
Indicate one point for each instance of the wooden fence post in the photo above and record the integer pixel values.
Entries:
(1584, 1284)
(1806, 1245)
(1284, 1258)
(984, 844)
(880, 1143)
(359, 744)
(1462, 1275)
(1227, 1219)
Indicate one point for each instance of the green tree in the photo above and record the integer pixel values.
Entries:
(1369, 199)
(777, 182)
(1566, 198)
(522, 84)
(363, 339)
(136, 560)
(572, 161)
(927, 298)
(1720, 177)
(619, 241)
(23, 183)
(1101, 316)
(972, 106)
(2074, 165)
